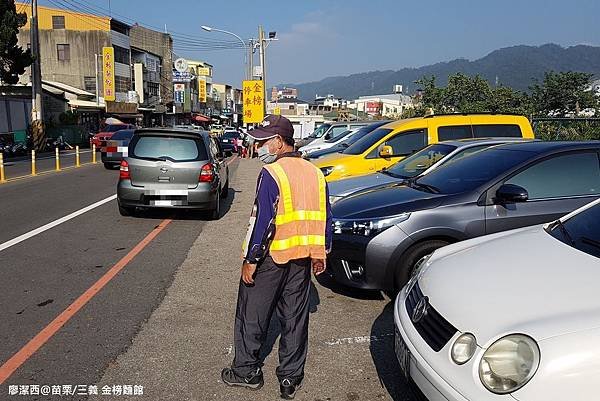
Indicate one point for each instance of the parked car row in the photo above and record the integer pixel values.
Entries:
(473, 221)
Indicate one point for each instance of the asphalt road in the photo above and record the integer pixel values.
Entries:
(42, 276)
(164, 318)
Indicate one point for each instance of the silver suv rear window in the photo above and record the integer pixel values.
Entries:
(170, 148)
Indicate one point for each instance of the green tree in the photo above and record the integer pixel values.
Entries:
(562, 94)
(431, 94)
(13, 59)
(465, 94)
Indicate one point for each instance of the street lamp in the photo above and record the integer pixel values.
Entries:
(211, 29)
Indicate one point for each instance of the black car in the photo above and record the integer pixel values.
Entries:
(382, 235)
(353, 138)
(228, 141)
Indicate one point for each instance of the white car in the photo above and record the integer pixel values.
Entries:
(510, 316)
(320, 143)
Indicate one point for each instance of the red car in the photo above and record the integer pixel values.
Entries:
(101, 137)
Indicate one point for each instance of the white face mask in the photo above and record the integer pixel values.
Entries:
(265, 156)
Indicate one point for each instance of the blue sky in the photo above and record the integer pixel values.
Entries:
(318, 39)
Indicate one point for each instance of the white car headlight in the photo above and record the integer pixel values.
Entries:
(367, 227)
(327, 170)
(463, 348)
(509, 363)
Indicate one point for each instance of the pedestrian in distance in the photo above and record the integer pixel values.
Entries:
(288, 236)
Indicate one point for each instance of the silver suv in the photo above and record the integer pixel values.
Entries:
(171, 168)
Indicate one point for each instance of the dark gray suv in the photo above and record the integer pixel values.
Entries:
(172, 168)
(382, 234)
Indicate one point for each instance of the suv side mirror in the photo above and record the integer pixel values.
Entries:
(386, 151)
(510, 193)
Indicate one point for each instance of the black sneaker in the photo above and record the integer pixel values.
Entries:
(289, 387)
(253, 380)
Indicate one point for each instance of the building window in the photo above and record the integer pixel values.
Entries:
(121, 55)
(152, 88)
(89, 84)
(122, 84)
(58, 22)
(64, 52)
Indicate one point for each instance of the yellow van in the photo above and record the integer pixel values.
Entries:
(394, 141)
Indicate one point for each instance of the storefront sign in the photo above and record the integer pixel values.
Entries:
(254, 102)
(202, 91)
(121, 108)
(108, 73)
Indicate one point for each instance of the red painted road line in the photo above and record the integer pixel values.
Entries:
(232, 160)
(18, 359)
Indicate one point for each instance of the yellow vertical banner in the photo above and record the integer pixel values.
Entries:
(277, 111)
(108, 73)
(202, 91)
(254, 103)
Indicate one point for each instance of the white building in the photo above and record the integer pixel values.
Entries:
(391, 106)
(288, 107)
(331, 102)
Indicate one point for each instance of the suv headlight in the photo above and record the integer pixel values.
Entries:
(327, 170)
(367, 227)
(509, 363)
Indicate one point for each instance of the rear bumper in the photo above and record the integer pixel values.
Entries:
(203, 197)
(111, 158)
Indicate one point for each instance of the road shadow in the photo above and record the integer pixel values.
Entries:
(275, 327)
(327, 281)
(185, 214)
(384, 356)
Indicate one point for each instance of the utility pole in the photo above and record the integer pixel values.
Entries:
(263, 67)
(36, 81)
(97, 80)
(250, 59)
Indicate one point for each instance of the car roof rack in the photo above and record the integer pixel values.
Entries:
(480, 113)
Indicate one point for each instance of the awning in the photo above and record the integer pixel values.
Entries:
(200, 118)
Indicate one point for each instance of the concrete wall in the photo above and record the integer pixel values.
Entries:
(83, 46)
(160, 44)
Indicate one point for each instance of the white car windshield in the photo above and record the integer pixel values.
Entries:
(581, 231)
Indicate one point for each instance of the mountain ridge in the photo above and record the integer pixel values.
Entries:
(516, 66)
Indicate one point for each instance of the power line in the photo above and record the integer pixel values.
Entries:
(78, 15)
(23, 6)
(95, 9)
(186, 44)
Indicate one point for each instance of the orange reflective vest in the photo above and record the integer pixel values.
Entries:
(301, 210)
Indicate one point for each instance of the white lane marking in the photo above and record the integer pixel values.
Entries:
(338, 341)
(54, 223)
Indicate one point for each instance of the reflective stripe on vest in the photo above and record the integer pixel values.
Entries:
(298, 240)
(286, 191)
(289, 214)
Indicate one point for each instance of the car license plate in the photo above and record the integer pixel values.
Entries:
(225, 141)
(403, 354)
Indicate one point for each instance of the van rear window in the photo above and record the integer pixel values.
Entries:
(454, 132)
(497, 130)
(169, 148)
